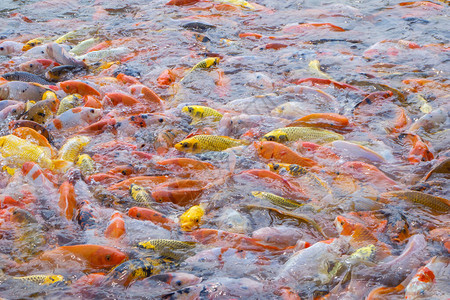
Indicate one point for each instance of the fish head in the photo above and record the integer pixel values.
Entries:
(257, 194)
(188, 145)
(91, 114)
(166, 78)
(190, 110)
(51, 279)
(191, 218)
(275, 136)
(134, 189)
(107, 257)
(343, 225)
(17, 109)
(421, 282)
(265, 149)
(70, 87)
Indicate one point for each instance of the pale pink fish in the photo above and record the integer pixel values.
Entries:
(36, 176)
(10, 48)
(310, 265)
(12, 110)
(427, 277)
(78, 116)
(37, 66)
(60, 55)
(18, 90)
(355, 152)
(282, 236)
(176, 280)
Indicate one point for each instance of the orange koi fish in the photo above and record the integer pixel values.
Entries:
(153, 216)
(116, 226)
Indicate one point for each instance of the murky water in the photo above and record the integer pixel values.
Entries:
(382, 65)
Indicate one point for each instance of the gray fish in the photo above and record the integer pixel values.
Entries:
(25, 77)
(61, 56)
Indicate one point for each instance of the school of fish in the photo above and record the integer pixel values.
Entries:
(224, 149)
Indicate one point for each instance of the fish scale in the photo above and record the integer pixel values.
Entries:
(309, 134)
(41, 279)
(72, 148)
(169, 248)
(203, 143)
(140, 195)
(198, 112)
(21, 151)
(277, 200)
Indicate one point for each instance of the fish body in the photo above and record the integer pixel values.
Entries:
(282, 153)
(297, 171)
(310, 264)
(198, 112)
(202, 143)
(277, 200)
(25, 77)
(41, 279)
(427, 277)
(204, 64)
(140, 195)
(169, 248)
(78, 87)
(69, 102)
(83, 46)
(240, 3)
(12, 111)
(116, 226)
(8, 48)
(60, 73)
(61, 56)
(192, 218)
(77, 116)
(92, 256)
(112, 54)
(18, 151)
(151, 215)
(18, 90)
(41, 111)
(32, 43)
(310, 134)
(37, 66)
(72, 148)
(86, 164)
(132, 270)
(437, 203)
(67, 201)
(233, 221)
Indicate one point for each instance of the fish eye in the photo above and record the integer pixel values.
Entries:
(185, 145)
(31, 65)
(108, 257)
(178, 283)
(342, 223)
(160, 120)
(196, 220)
(190, 109)
(92, 111)
(138, 215)
(32, 44)
(1, 48)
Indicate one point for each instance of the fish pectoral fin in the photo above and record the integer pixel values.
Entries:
(62, 165)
